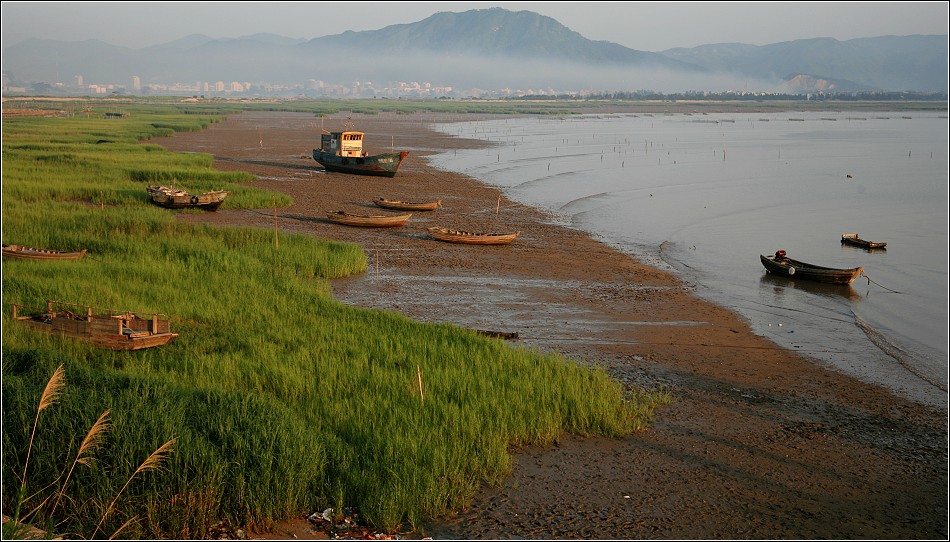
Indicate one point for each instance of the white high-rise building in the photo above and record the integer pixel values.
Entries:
(136, 83)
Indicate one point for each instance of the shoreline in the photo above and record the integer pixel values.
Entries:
(759, 442)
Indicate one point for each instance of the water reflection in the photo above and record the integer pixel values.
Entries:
(778, 283)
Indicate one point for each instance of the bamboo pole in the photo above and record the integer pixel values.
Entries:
(276, 241)
(498, 206)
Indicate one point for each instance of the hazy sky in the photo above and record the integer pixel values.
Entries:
(645, 26)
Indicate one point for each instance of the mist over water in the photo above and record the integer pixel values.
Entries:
(703, 195)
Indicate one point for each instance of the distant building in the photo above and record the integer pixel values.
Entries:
(136, 83)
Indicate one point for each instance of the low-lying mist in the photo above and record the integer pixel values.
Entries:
(525, 74)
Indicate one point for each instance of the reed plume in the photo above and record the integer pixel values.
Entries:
(93, 440)
(153, 462)
(50, 394)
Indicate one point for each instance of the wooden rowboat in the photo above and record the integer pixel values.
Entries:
(407, 205)
(472, 238)
(173, 198)
(854, 240)
(32, 253)
(368, 221)
(779, 264)
(108, 328)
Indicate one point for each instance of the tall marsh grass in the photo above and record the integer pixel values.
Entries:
(281, 399)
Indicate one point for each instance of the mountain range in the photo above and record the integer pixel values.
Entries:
(496, 48)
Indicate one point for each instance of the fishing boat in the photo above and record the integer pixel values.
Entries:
(472, 238)
(407, 205)
(368, 221)
(108, 328)
(33, 253)
(780, 264)
(174, 198)
(855, 240)
(343, 152)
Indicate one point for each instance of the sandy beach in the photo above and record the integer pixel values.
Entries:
(758, 443)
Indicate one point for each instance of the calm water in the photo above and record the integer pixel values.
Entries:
(703, 195)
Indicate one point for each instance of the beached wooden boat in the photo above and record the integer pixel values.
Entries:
(343, 152)
(174, 198)
(779, 264)
(33, 253)
(368, 221)
(472, 238)
(854, 240)
(407, 205)
(108, 328)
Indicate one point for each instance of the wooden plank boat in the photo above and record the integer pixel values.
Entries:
(779, 264)
(173, 198)
(407, 205)
(32, 253)
(108, 328)
(343, 152)
(472, 238)
(855, 240)
(368, 221)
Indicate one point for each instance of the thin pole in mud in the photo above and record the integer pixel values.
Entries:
(377, 268)
(419, 377)
(276, 241)
(498, 206)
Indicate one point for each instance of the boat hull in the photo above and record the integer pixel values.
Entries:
(32, 253)
(117, 330)
(800, 270)
(367, 221)
(178, 199)
(407, 205)
(861, 243)
(378, 165)
(470, 238)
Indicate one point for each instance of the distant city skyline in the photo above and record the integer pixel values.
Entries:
(644, 26)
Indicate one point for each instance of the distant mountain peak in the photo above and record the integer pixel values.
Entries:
(488, 48)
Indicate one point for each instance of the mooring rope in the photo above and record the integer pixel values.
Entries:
(881, 285)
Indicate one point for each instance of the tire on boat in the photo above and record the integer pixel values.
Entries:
(791, 270)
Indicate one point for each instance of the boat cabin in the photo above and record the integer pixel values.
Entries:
(343, 143)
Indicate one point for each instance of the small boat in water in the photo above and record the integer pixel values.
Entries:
(109, 328)
(780, 264)
(369, 221)
(407, 205)
(472, 238)
(343, 152)
(33, 253)
(174, 198)
(855, 240)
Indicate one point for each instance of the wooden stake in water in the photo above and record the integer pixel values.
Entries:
(498, 206)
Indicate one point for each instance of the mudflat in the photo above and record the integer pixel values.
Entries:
(758, 442)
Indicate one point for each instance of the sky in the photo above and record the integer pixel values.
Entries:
(644, 26)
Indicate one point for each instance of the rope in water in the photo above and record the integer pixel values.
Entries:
(881, 285)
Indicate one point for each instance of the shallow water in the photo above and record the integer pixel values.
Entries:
(704, 195)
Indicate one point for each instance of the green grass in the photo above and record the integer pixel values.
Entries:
(281, 399)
